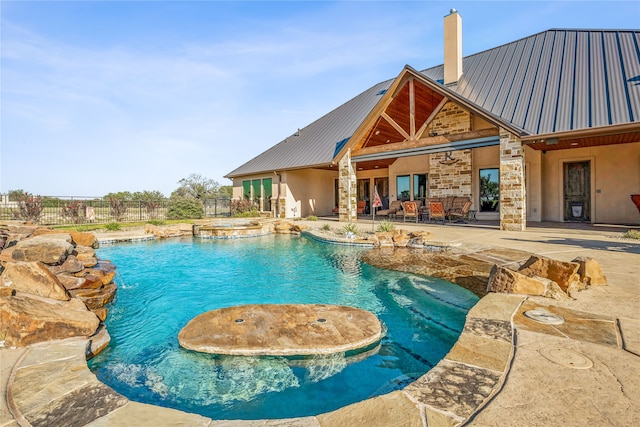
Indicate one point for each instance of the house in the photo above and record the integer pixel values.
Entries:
(545, 128)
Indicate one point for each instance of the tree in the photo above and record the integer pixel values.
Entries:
(197, 187)
(225, 190)
(150, 201)
(184, 208)
(16, 195)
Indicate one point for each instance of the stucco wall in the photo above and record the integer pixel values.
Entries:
(406, 166)
(615, 175)
(311, 190)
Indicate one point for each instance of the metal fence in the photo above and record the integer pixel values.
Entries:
(47, 210)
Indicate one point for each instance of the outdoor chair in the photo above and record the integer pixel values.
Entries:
(436, 212)
(410, 210)
(361, 206)
(394, 207)
(460, 214)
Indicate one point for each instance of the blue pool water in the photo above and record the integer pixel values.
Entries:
(163, 285)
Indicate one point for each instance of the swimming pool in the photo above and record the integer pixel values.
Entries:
(164, 284)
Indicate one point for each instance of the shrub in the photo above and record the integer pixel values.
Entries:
(75, 211)
(386, 226)
(632, 234)
(185, 208)
(243, 208)
(156, 222)
(350, 228)
(311, 218)
(326, 227)
(29, 207)
(113, 226)
(117, 207)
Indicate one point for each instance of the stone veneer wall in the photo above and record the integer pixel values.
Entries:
(449, 177)
(450, 173)
(347, 182)
(513, 215)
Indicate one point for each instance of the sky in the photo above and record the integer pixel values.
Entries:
(100, 97)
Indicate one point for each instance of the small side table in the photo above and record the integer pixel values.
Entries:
(472, 215)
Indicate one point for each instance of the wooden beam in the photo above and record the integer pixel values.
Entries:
(412, 110)
(432, 116)
(425, 142)
(396, 126)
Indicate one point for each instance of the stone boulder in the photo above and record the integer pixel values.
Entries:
(37, 319)
(50, 249)
(33, 278)
(79, 238)
(72, 282)
(590, 272)
(96, 298)
(86, 255)
(70, 265)
(400, 238)
(563, 273)
(162, 232)
(419, 239)
(385, 239)
(504, 280)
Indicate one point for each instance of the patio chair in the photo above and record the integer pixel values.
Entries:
(436, 212)
(460, 214)
(409, 210)
(394, 207)
(361, 206)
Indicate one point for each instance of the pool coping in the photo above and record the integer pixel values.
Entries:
(479, 362)
(481, 357)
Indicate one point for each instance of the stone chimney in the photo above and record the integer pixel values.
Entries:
(452, 47)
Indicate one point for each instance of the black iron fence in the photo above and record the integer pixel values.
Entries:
(46, 210)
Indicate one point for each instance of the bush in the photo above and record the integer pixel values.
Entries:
(156, 222)
(632, 234)
(185, 208)
(386, 226)
(117, 208)
(350, 228)
(75, 211)
(29, 207)
(326, 227)
(113, 226)
(311, 218)
(243, 208)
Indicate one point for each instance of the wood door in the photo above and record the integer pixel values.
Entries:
(577, 191)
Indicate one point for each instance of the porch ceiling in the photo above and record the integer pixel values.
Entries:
(569, 142)
(403, 119)
(375, 164)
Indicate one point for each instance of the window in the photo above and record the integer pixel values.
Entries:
(420, 187)
(246, 189)
(403, 187)
(489, 190)
(257, 194)
(267, 186)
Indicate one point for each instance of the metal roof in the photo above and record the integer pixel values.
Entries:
(317, 143)
(556, 81)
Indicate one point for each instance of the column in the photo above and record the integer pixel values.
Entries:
(347, 188)
(513, 213)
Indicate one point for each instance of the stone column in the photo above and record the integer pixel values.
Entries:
(513, 213)
(347, 187)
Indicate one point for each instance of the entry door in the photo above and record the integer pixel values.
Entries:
(382, 184)
(577, 191)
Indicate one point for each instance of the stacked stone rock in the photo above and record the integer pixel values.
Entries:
(52, 286)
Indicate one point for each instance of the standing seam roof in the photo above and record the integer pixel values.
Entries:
(558, 80)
